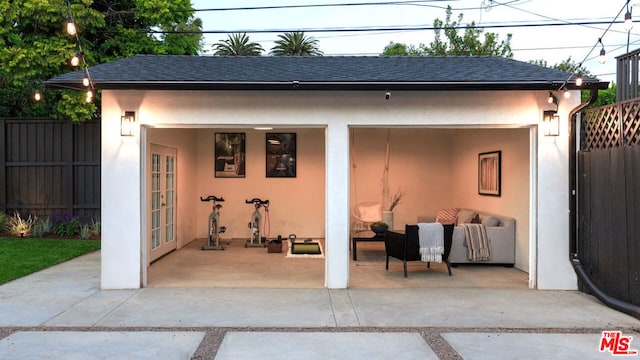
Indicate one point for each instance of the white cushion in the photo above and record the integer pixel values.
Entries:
(370, 212)
(465, 216)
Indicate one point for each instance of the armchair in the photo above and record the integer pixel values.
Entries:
(406, 247)
(366, 213)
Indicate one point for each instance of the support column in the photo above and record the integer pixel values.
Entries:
(121, 213)
(555, 271)
(337, 206)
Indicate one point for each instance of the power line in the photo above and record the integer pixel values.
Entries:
(383, 29)
(381, 3)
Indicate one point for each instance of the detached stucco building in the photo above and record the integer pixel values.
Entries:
(441, 112)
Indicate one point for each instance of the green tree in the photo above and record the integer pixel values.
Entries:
(237, 44)
(35, 47)
(466, 44)
(400, 49)
(567, 65)
(296, 44)
(453, 43)
(605, 97)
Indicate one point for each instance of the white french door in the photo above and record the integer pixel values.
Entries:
(161, 201)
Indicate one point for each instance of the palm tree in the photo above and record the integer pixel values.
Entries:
(237, 44)
(296, 44)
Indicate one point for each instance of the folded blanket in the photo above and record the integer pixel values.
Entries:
(477, 242)
(431, 238)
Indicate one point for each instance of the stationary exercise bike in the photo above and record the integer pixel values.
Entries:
(256, 225)
(214, 224)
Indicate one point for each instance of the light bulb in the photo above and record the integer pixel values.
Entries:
(89, 96)
(603, 56)
(75, 60)
(567, 94)
(85, 81)
(628, 22)
(37, 96)
(579, 81)
(551, 99)
(71, 27)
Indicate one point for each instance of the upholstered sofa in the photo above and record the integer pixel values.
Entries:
(501, 231)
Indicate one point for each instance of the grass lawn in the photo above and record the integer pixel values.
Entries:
(20, 257)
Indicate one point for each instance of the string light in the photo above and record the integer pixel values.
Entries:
(71, 27)
(628, 21)
(86, 81)
(75, 60)
(78, 56)
(603, 54)
(601, 59)
(37, 96)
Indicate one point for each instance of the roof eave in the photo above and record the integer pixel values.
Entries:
(325, 85)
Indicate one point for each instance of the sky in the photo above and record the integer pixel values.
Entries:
(551, 43)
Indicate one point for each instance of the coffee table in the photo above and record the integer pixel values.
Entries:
(364, 235)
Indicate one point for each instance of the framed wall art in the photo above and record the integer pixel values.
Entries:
(229, 155)
(281, 155)
(489, 173)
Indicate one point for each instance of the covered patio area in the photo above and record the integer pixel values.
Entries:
(240, 267)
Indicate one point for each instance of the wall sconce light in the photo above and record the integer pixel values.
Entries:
(551, 123)
(126, 123)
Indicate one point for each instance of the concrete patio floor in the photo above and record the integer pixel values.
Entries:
(61, 312)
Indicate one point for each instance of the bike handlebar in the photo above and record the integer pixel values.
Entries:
(257, 201)
(212, 198)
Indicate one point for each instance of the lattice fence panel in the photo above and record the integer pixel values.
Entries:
(631, 123)
(612, 125)
(601, 128)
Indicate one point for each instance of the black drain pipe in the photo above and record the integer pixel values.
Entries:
(613, 303)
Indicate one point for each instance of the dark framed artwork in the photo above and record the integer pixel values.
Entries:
(281, 155)
(489, 173)
(230, 155)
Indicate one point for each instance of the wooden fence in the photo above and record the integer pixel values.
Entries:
(609, 199)
(50, 167)
(612, 125)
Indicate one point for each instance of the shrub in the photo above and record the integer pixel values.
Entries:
(85, 231)
(4, 221)
(65, 225)
(66, 229)
(96, 227)
(37, 229)
(19, 226)
(42, 226)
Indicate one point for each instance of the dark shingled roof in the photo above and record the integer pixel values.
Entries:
(321, 72)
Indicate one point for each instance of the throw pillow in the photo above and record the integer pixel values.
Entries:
(447, 216)
(476, 219)
(370, 212)
(465, 216)
(490, 221)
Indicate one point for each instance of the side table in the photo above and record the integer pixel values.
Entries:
(364, 235)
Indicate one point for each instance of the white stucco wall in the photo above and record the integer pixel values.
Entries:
(554, 271)
(516, 179)
(121, 265)
(297, 204)
(335, 111)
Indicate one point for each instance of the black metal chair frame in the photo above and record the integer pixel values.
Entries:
(406, 247)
